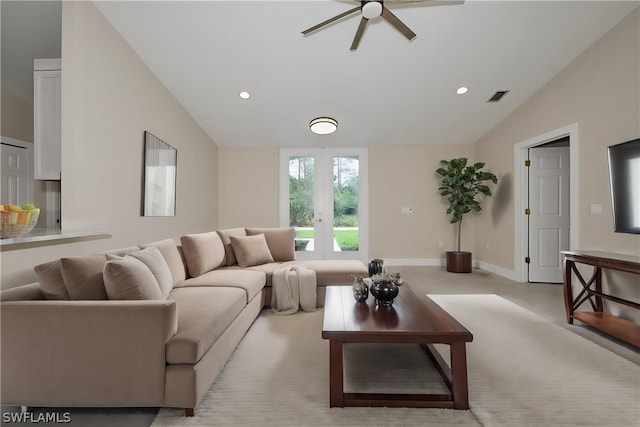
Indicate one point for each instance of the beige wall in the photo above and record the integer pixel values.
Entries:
(399, 176)
(249, 189)
(404, 176)
(17, 115)
(109, 98)
(600, 91)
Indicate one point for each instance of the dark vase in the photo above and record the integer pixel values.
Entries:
(375, 266)
(384, 293)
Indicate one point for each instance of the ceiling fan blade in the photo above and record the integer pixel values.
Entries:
(361, 27)
(397, 23)
(330, 20)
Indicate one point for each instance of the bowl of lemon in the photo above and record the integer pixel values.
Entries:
(16, 221)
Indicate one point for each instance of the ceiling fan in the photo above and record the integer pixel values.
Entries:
(371, 9)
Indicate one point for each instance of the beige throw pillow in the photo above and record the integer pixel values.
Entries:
(83, 276)
(153, 259)
(171, 254)
(51, 281)
(229, 253)
(280, 241)
(251, 250)
(202, 252)
(129, 278)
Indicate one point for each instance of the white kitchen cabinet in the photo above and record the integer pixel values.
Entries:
(47, 118)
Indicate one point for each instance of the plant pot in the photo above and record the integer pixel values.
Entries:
(459, 262)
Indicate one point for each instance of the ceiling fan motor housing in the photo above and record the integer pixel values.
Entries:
(371, 9)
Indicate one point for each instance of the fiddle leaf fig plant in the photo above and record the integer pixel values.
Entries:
(461, 185)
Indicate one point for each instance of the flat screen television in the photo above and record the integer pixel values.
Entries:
(624, 174)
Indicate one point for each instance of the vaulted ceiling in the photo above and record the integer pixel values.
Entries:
(388, 91)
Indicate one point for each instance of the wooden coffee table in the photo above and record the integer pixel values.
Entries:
(413, 318)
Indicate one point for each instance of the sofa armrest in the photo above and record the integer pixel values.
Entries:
(85, 353)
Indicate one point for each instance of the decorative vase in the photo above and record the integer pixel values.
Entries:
(375, 266)
(360, 290)
(384, 292)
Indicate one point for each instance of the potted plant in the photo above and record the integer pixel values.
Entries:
(461, 184)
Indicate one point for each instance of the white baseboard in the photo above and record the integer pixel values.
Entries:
(413, 262)
(440, 262)
(508, 274)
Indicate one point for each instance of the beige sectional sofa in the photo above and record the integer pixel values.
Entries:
(144, 326)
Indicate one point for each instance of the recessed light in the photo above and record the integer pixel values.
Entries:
(462, 90)
(245, 95)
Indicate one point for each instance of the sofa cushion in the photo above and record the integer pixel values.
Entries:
(171, 254)
(229, 253)
(280, 241)
(333, 272)
(202, 252)
(251, 250)
(129, 278)
(51, 281)
(267, 269)
(83, 276)
(153, 259)
(251, 281)
(204, 313)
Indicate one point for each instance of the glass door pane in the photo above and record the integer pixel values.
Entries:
(301, 201)
(346, 200)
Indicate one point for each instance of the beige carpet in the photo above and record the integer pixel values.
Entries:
(523, 371)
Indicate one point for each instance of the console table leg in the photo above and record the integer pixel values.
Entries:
(568, 291)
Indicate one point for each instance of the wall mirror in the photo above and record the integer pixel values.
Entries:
(160, 163)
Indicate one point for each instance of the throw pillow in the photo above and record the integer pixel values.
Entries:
(202, 252)
(280, 241)
(153, 259)
(83, 276)
(229, 253)
(51, 281)
(171, 254)
(129, 278)
(251, 250)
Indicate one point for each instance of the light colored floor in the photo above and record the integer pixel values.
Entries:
(541, 298)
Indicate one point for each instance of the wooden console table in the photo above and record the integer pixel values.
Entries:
(591, 292)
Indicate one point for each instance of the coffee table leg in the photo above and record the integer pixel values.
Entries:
(336, 382)
(459, 376)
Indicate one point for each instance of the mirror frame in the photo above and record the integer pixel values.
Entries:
(160, 177)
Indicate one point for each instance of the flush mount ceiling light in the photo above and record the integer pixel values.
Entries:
(462, 90)
(323, 125)
(245, 95)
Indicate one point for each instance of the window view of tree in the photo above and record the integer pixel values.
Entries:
(345, 202)
(301, 191)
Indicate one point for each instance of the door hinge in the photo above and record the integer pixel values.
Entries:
(527, 211)
(527, 260)
(527, 163)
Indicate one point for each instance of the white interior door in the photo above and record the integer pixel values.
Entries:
(324, 196)
(549, 220)
(15, 173)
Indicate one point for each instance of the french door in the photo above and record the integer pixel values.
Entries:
(324, 196)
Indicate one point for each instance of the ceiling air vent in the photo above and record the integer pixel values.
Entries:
(498, 96)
